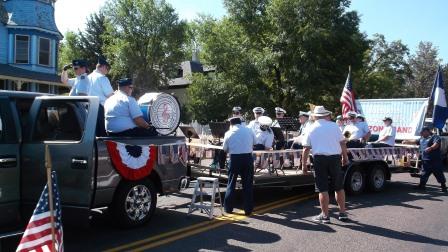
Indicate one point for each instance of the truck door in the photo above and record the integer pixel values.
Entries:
(9, 163)
(67, 125)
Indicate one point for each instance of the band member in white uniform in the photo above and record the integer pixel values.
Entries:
(387, 135)
(264, 137)
(279, 113)
(254, 124)
(305, 123)
(236, 112)
(357, 131)
(80, 84)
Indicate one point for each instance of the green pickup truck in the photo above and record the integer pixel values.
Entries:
(86, 176)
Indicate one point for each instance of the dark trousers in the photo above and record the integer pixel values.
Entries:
(432, 167)
(240, 165)
(380, 145)
(135, 132)
(355, 144)
(100, 129)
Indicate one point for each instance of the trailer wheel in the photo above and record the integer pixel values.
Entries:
(134, 203)
(377, 179)
(355, 182)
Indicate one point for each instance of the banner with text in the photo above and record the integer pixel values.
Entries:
(408, 115)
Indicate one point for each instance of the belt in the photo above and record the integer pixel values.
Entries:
(323, 155)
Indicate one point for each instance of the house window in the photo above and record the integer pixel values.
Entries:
(44, 51)
(22, 49)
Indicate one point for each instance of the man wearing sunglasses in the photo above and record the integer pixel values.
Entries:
(80, 84)
(123, 116)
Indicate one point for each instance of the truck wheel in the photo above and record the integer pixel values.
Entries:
(134, 203)
(377, 179)
(355, 182)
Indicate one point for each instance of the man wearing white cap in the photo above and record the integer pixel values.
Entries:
(327, 144)
(236, 112)
(305, 124)
(279, 113)
(254, 124)
(357, 130)
(264, 137)
(387, 135)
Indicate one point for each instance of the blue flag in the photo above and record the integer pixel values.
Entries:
(440, 113)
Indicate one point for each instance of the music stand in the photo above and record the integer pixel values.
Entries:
(218, 129)
(288, 124)
(278, 133)
(189, 132)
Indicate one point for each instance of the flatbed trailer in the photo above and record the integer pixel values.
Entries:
(369, 168)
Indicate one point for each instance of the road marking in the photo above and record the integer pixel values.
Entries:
(177, 234)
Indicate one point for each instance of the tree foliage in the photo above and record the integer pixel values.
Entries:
(146, 39)
(385, 70)
(423, 65)
(283, 52)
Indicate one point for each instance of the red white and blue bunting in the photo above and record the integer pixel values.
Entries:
(172, 154)
(133, 162)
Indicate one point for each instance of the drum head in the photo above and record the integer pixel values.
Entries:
(164, 111)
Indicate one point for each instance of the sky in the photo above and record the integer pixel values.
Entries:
(410, 21)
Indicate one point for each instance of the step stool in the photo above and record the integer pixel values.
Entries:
(207, 207)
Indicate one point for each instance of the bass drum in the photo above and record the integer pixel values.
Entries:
(161, 110)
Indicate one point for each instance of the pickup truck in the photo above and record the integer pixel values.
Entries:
(86, 176)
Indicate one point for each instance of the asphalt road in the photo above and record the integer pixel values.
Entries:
(397, 219)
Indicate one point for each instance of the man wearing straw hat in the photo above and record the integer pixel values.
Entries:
(327, 144)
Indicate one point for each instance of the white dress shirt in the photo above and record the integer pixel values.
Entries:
(265, 138)
(357, 130)
(389, 131)
(324, 137)
(100, 86)
(80, 85)
(254, 125)
(238, 140)
(120, 110)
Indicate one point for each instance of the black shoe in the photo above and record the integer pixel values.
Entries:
(247, 213)
(420, 187)
(321, 219)
(343, 217)
(444, 188)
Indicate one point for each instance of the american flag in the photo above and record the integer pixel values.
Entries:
(37, 236)
(348, 97)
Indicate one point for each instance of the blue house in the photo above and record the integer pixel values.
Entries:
(29, 40)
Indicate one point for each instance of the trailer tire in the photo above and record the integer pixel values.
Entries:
(377, 179)
(134, 203)
(355, 181)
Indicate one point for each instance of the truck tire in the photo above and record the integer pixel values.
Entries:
(377, 179)
(355, 182)
(134, 203)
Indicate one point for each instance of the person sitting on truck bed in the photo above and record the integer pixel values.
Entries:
(123, 116)
(387, 135)
(357, 130)
(431, 158)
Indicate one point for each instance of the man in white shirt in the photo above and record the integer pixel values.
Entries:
(357, 130)
(100, 87)
(254, 125)
(264, 137)
(80, 84)
(387, 134)
(279, 113)
(123, 116)
(327, 144)
(305, 125)
(238, 143)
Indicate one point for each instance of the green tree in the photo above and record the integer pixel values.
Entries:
(423, 64)
(385, 70)
(283, 52)
(69, 49)
(147, 40)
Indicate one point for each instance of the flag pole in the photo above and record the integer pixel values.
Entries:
(50, 195)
